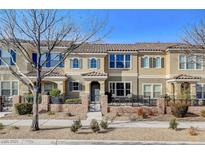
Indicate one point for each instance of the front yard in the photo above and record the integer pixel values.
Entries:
(132, 134)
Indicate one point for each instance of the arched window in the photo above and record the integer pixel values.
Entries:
(93, 63)
(76, 63)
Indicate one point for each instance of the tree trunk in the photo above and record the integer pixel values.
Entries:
(35, 124)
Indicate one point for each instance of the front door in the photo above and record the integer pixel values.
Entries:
(94, 105)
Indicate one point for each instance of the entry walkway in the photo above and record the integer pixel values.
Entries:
(115, 124)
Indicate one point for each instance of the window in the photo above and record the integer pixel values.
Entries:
(152, 90)
(119, 61)
(93, 63)
(120, 89)
(75, 63)
(75, 86)
(49, 86)
(200, 91)
(54, 59)
(146, 62)
(190, 62)
(158, 62)
(8, 56)
(9, 88)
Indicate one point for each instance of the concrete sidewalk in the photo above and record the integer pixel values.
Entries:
(115, 124)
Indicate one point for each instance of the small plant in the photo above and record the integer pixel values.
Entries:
(73, 101)
(132, 117)
(179, 109)
(173, 124)
(55, 92)
(192, 131)
(140, 111)
(150, 112)
(95, 126)
(118, 114)
(202, 113)
(1, 126)
(15, 127)
(23, 108)
(104, 124)
(51, 113)
(69, 114)
(76, 126)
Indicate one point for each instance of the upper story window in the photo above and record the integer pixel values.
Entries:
(152, 62)
(49, 59)
(93, 63)
(119, 61)
(190, 62)
(75, 63)
(8, 56)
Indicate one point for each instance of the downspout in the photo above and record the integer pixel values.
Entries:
(138, 62)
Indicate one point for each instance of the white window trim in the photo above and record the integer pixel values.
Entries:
(202, 84)
(152, 92)
(10, 86)
(90, 63)
(123, 61)
(50, 53)
(78, 62)
(185, 69)
(78, 86)
(148, 61)
(153, 56)
(124, 87)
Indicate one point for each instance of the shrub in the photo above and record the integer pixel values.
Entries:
(55, 92)
(69, 114)
(51, 113)
(173, 124)
(118, 114)
(1, 126)
(28, 98)
(192, 131)
(23, 108)
(179, 109)
(202, 113)
(140, 111)
(95, 126)
(14, 127)
(73, 100)
(150, 112)
(76, 126)
(132, 117)
(104, 124)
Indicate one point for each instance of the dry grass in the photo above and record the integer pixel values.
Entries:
(137, 134)
(48, 115)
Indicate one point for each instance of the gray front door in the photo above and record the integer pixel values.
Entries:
(94, 105)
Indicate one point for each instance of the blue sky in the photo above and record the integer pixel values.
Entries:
(130, 26)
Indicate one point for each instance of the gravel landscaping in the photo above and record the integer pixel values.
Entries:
(48, 115)
(131, 134)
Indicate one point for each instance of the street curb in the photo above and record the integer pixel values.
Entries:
(91, 142)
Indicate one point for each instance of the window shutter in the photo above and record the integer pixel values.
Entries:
(61, 58)
(98, 63)
(80, 63)
(88, 63)
(162, 62)
(0, 56)
(71, 63)
(142, 62)
(13, 55)
(48, 60)
(154, 62)
(34, 58)
(70, 86)
(150, 62)
(80, 86)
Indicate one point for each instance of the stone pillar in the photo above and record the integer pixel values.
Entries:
(45, 101)
(161, 106)
(104, 103)
(102, 87)
(1, 104)
(15, 100)
(87, 87)
(177, 90)
(193, 90)
(85, 102)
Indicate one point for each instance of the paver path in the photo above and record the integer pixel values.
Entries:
(115, 124)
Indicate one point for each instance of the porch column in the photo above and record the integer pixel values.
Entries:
(61, 86)
(102, 87)
(177, 90)
(193, 90)
(87, 87)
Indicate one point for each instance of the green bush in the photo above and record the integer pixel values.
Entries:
(51, 113)
(1, 126)
(72, 100)
(179, 109)
(202, 113)
(104, 124)
(173, 124)
(95, 126)
(24, 108)
(76, 126)
(55, 92)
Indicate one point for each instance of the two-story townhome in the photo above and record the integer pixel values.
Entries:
(124, 70)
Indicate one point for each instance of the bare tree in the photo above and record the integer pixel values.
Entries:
(30, 29)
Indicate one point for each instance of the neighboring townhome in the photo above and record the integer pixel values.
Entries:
(122, 71)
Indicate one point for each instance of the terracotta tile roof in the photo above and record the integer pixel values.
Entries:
(53, 74)
(185, 76)
(95, 74)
